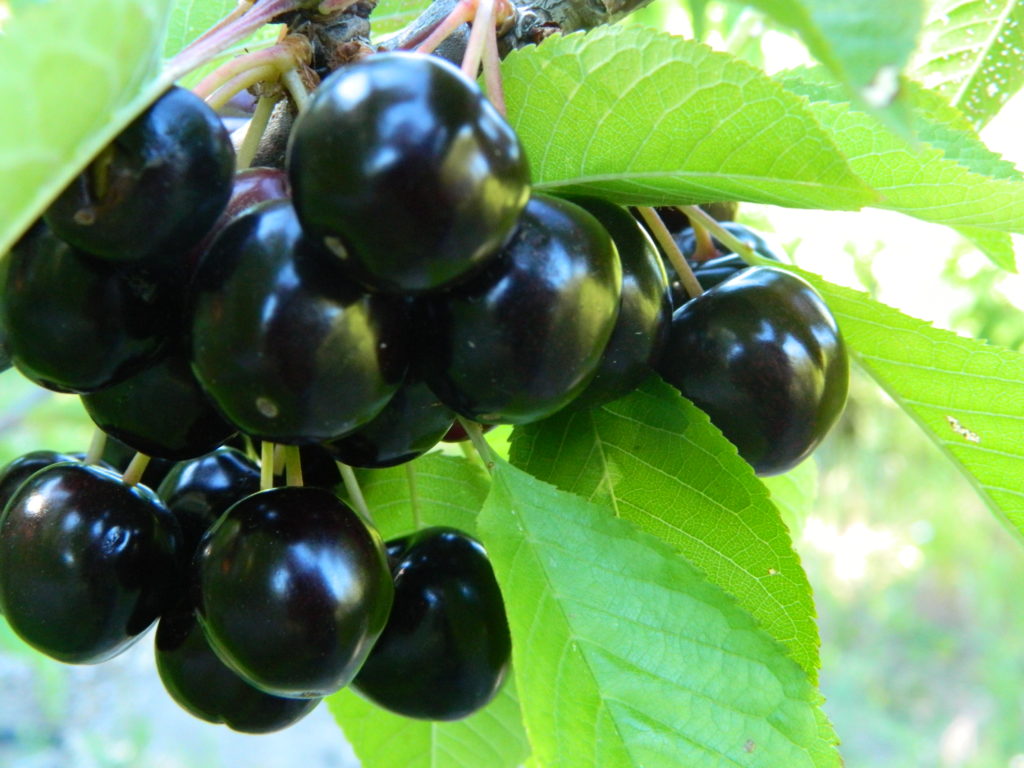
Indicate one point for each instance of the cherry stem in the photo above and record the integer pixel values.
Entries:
(266, 465)
(414, 495)
(254, 132)
(136, 467)
(492, 71)
(296, 88)
(668, 245)
(233, 29)
(482, 21)
(476, 437)
(461, 13)
(240, 82)
(723, 235)
(293, 464)
(469, 451)
(276, 56)
(354, 491)
(96, 447)
(705, 249)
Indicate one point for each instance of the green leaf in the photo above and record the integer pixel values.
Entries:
(966, 395)
(864, 44)
(491, 738)
(655, 460)
(949, 177)
(625, 656)
(971, 51)
(640, 117)
(391, 15)
(190, 18)
(449, 491)
(73, 73)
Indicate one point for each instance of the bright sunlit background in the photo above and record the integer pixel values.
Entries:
(917, 584)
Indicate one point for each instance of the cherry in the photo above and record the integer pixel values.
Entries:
(457, 433)
(522, 339)
(409, 426)
(249, 187)
(17, 471)
(405, 170)
(711, 272)
(161, 411)
(204, 687)
(446, 647)
(645, 309)
(294, 590)
(86, 562)
(156, 189)
(762, 355)
(287, 346)
(201, 490)
(79, 324)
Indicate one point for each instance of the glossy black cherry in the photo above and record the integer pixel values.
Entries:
(762, 355)
(405, 170)
(79, 324)
(200, 490)
(160, 411)
(294, 590)
(156, 189)
(522, 339)
(204, 687)
(412, 423)
(289, 349)
(86, 562)
(446, 647)
(17, 471)
(645, 309)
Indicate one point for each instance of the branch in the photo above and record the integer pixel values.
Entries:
(533, 22)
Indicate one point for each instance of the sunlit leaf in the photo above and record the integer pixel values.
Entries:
(73, 73)
(626, 657)
(638, 116)
(653, 458)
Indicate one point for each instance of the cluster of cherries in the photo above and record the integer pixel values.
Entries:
(398, 274)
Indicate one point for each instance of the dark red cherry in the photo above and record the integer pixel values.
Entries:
(457, 433)
(762, 355)
(411, 424)
(200, 490)
(205, 688)
(17, 471)
(294, 590)
(79, 324)
(156, 189)
(86, 562)
(446, 647)
(403, 168)
(645, 309)
(523, 338)
(249, 187)
(287, 346)
(160, 411)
